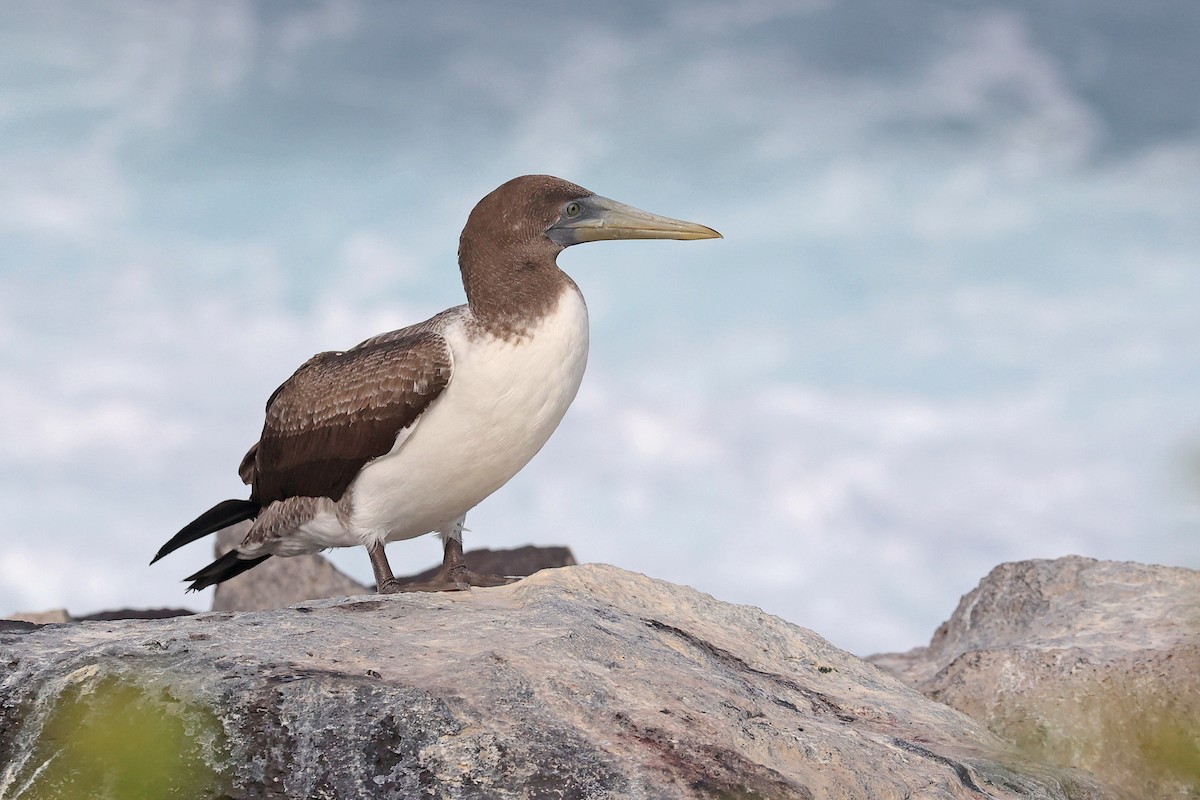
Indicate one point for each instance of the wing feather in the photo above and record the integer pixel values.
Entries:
(342, 409)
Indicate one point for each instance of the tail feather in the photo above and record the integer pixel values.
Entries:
(222, 515)
(222, 569)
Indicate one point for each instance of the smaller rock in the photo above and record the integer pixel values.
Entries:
(54, 615)
(1084, 663)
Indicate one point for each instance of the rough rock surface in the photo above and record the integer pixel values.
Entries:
(1083, 663)
(584, 682)
(279, 582)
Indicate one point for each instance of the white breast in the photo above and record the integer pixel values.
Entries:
(504, 400)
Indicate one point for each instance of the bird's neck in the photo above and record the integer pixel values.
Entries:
(510, 290)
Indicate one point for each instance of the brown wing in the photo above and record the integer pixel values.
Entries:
(340, 410)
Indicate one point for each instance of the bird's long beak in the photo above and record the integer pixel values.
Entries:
(599, 218)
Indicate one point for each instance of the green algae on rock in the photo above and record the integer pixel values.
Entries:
(111, 739)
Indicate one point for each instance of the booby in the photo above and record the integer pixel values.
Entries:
(406, 432)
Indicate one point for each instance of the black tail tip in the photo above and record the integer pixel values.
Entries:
(224, 568)
(222, 515)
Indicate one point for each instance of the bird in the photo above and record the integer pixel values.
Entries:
(406, 432)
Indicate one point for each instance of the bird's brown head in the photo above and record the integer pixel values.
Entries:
(511, 222)
(508, 248)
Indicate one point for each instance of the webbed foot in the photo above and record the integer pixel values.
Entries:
(454, 575)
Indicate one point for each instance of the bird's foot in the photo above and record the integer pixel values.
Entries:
(452, 576)
(390, 586)
(456, 579)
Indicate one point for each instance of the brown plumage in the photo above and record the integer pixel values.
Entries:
(339, 411)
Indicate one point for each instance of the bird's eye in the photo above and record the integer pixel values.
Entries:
(573, 209)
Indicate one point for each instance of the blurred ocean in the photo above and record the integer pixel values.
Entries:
(955, 319)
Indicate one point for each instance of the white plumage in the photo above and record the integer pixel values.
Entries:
(503, 401)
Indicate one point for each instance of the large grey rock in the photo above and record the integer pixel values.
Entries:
(584, 682)
(1084, 663)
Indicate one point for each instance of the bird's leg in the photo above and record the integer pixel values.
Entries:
(385, 581)
(454, 574)
(454, 566)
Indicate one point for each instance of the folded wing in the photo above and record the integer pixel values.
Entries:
(342, 409)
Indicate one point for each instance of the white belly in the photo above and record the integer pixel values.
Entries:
(503, 401)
